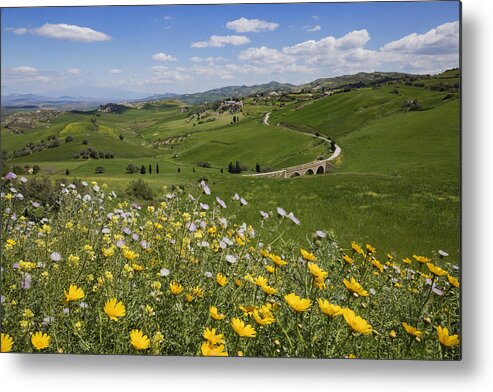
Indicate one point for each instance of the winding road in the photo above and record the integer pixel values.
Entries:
(313, 167)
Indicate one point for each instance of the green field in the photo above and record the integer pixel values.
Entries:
(396, 186)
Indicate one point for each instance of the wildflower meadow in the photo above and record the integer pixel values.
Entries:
(95, 273)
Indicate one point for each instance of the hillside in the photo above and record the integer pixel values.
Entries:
(396, 184)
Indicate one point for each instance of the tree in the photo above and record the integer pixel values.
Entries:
(231, 168)
(222, 170)
(193, 169)
(99, 170)
(238, 167)
(257, 168)
(234, 119)
(142, 169)
(69, 138)
(36, 169)
(67, 172)
(179, 170)
(157, 168)
(120, 136)
(150, 169)
(85, 141)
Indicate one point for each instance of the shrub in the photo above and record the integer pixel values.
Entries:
(99, 170)
(85, 141)
(204, 164)
(69, 139)
(131, 168)
(36, 169)
(140, 189)
(142, 169)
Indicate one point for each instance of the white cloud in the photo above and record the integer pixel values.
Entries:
(440, 40)
(217, 41)
(19, 31)
(210, 59)
(167, 17)
(265, 55)
(312, 29)
(73, 71)
(70, 32)
(163, 57)
(244, 25)
(115, 71)
(24, 69)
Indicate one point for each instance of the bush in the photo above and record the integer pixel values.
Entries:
(36, 169)
(69, 138)
(204, 164)
(140, 189)
(99, 170)
(131, 168)
(85, 141)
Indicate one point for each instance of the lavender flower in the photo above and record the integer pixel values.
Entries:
(55, 256)
(205, 187)
(10, 176)
(281, 211)
(164, 272)
(264, 214)
(231, 259)
(220, 202)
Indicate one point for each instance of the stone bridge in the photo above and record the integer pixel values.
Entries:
(305, 169)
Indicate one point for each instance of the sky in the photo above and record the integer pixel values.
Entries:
(131, 51)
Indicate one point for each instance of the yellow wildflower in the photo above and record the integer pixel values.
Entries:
(6, 343)
(268, 289)
(130, 254)
(307, 255)
(421, 259)
(277, 260)
(241, 329)
(356, 323)
(347, 259)
(296, 303)
(210, 335)
(435, 270)
(221, 280)
(270, 269)
(40, 340)
(329, 309)
(354, 287)
(210, 350)
(215, 314)
(175, 288)
(453, 281)
(73, 260)
(114, 309)
(356, 248)
(74, 293)
(410, 330)
(370, 249)
(263, 317)
(138, 340)
(445, 339)
(377, 265)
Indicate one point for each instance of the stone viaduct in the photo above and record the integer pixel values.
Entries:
(305, 169)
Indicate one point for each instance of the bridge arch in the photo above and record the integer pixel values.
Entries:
(309, 172)
(294, 174)
(320, 170)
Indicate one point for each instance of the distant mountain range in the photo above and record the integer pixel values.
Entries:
(102, 96)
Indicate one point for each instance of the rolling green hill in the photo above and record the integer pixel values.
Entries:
(396, 184)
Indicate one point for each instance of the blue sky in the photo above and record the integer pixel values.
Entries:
(183, 49)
